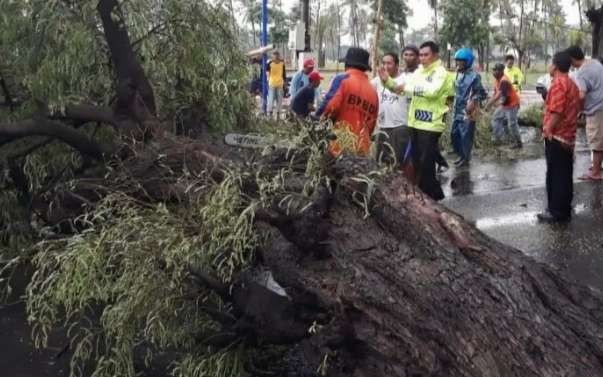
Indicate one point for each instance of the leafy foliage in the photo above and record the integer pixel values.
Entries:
(466, 23)
(123, 282)
(185, 46)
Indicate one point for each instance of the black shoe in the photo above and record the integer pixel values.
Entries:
(517, 145)
(547, 217)
(461, 162)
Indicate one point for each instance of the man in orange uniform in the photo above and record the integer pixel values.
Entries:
(508, 108)
(353, 105)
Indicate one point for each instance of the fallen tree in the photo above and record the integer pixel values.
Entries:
(284, 263)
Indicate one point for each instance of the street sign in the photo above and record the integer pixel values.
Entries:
(254, 141)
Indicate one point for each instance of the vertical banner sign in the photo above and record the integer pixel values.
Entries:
(264, 43)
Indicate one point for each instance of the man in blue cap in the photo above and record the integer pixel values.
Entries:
(469, 93)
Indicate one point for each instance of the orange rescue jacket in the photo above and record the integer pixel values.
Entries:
(353, 105)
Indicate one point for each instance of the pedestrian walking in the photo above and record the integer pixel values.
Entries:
(276, 84)
(353, 106)
(469, 93)
(303, 103)
(559, 132)
(507, 110)
(430, 87)
(589, 79)
(514, 73)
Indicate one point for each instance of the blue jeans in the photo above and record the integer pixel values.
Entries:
(462, 134)
(498, 124)
(275, 94)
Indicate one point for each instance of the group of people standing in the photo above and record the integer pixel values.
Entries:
(404, 110)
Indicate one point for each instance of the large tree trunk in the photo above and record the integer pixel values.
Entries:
(394, 283)
(595, 17)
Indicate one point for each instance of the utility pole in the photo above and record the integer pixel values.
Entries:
(264, 43)
(305, 4)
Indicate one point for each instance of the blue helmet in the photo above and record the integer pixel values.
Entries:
(465, 54)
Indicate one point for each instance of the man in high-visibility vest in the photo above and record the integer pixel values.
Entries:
(513, 73)
(430, 86)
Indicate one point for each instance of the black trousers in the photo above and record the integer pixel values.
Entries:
(559, 178)
(391, 144)
(425, 151)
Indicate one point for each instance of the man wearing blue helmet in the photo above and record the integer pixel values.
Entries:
(469, 93)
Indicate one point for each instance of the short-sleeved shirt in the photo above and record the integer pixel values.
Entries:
(276, 74)
(589, 79)
(302, 101)
(393, 108)
(563, 99)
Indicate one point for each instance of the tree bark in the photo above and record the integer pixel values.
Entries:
(595, 17)
(377, 35)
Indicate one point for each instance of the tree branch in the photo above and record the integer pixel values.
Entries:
(8, 98)
(88, 113)
(45, 127)
(127, 67)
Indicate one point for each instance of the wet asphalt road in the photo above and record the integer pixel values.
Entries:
(503, 198)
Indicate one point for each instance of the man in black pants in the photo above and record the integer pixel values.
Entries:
(559, 133)
(430, 86)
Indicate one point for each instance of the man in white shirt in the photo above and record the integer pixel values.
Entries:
(392, 126)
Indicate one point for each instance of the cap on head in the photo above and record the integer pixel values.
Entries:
(357, 58)
(315, 77)
(309, 63)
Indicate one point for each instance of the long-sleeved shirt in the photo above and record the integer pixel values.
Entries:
(299, 81)
(516, 77)
(468, 87)
(430, 86)
(353, 105)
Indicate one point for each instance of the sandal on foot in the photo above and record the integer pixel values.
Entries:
(589, 177)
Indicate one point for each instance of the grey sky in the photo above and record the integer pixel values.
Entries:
(422, 15)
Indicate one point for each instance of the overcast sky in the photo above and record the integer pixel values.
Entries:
(422, 15)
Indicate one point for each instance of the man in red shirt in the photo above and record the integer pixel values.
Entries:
(559, 132)
(353, 106)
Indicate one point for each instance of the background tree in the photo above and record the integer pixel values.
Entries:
(466, 23)
(594, 14)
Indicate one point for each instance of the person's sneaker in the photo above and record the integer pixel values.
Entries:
(442, 169)
(458, 161)
(517, 145)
